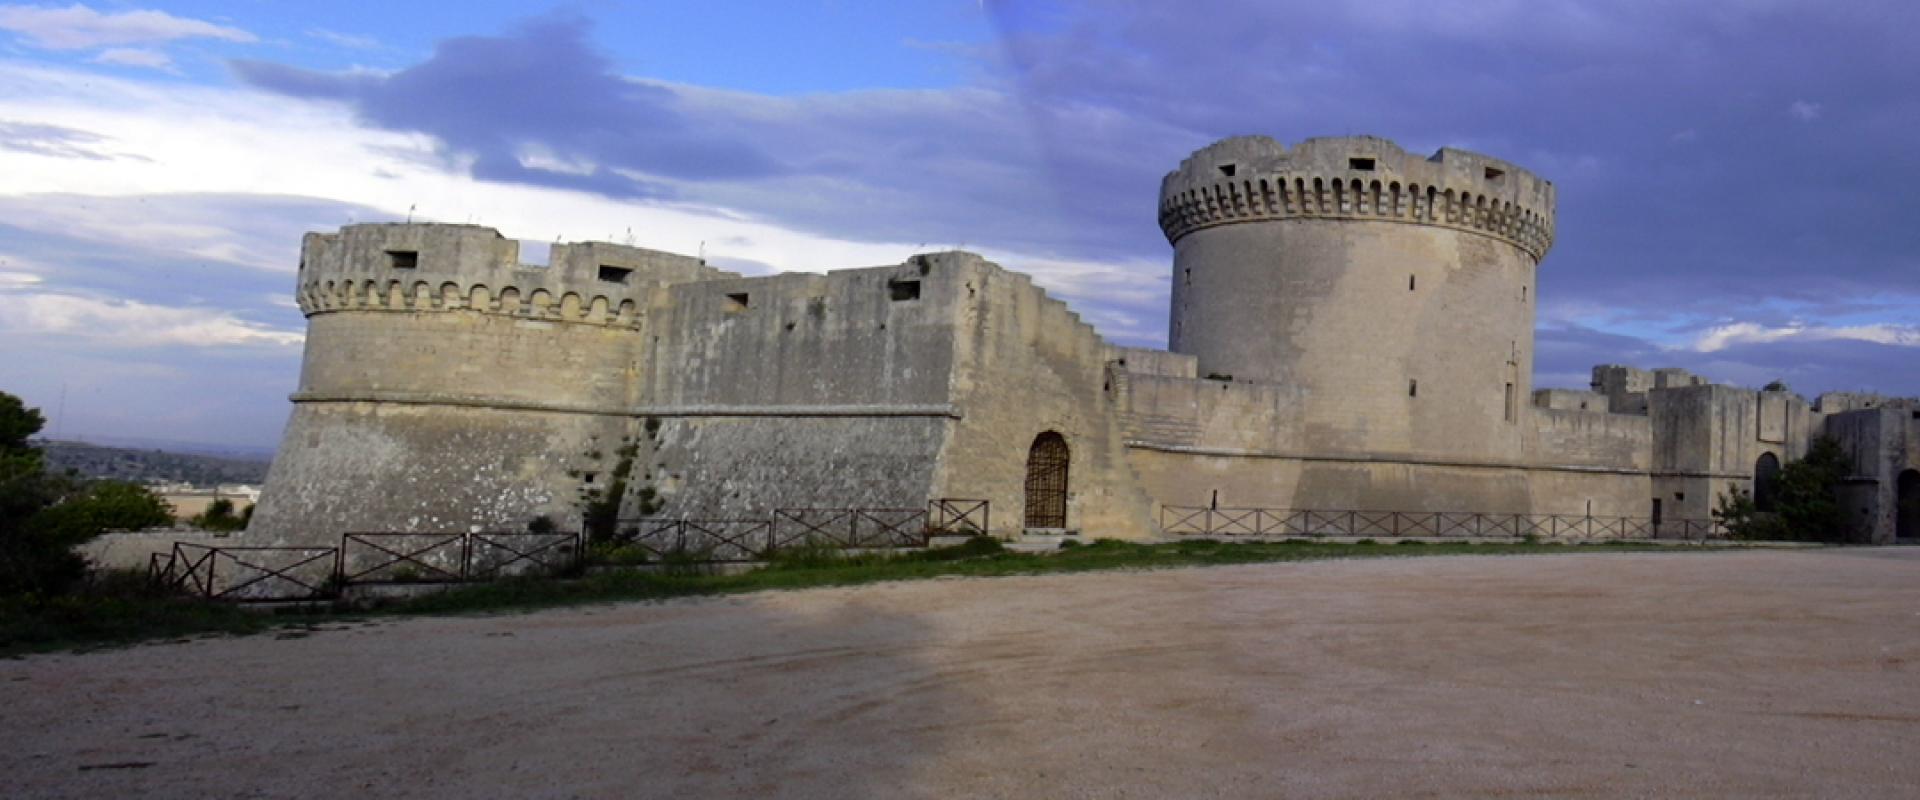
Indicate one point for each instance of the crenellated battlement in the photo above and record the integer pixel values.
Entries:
(1255, 178)
(432, 267)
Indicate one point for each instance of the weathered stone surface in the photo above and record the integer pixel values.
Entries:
(1352, 328)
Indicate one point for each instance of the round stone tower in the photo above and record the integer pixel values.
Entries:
(448, 387)
(1393, 293)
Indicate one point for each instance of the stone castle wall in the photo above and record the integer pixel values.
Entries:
(1351, 330)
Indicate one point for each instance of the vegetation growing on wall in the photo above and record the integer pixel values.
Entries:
(601, 513)
(1806, 501)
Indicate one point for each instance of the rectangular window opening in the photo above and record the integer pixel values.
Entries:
(1361, 164)
(1410, 280)
(1679, 497)
(1413, 388)
(1228, 169)
(1523, 294)
(403, 259)
(737, 301)
(1510, 409)
(613, 274)
(902, 291)
(1495, 174)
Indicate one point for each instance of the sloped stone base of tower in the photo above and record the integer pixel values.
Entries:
(391, 467)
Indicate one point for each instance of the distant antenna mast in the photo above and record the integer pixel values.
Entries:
(410, 208)
(703, 250)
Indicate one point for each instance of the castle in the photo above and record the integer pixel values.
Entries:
(1351, 331)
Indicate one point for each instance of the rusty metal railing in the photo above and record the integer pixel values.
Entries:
(245, 573)
(1208, 521)
(950, 516)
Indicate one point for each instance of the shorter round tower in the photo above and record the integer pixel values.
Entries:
(1394, 293)
(446, 386)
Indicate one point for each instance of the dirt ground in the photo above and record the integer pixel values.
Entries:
(1702, 675)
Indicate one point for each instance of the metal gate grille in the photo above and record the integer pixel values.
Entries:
(1047, 482)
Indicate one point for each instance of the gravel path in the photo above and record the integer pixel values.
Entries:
(1703, 675)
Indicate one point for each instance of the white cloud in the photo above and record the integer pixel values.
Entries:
(134, 324)
(232, 141)
(18, 280)
(346, 40)
(1722, 336)
(135, 57)
(78, 27)
(1804, 111)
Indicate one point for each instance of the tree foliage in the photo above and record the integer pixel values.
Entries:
(219, 517)
(1806, 501)
(43, 517)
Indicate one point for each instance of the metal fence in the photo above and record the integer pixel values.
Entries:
(396, 557)
(245, 573)
(851, 528)
(753, 539)
(380, 557)
(697, 539)
(952, 517)
(1206, 521)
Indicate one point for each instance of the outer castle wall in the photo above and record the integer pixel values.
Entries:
(1351, 330)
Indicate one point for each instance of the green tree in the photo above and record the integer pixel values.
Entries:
(1806, 500)
(219, 516)
(44, 517)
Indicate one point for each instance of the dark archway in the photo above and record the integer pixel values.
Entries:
(1907, 496)
(1766, 482)
(1047, 481)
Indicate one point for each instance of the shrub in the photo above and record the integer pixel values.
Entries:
(980, 546)
(1806, 504)
(219, 517)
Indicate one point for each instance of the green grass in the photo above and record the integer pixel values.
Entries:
(119, 611)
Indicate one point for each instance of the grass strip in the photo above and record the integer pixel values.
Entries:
(119, 610)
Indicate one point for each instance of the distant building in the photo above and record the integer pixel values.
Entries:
(192, 501)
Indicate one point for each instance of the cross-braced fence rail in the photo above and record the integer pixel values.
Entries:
(245, 573)
(753, 539)
(313, 573)
(1208, 521)
(406, 557)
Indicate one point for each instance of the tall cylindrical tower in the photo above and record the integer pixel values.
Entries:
(1394, 293)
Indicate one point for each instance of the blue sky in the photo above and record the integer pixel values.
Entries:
(1732, 173)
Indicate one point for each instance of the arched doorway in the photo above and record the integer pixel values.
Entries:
(1907, 496)
(1766, 482)
(1047, 481)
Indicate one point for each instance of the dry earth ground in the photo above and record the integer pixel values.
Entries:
(1725, 675)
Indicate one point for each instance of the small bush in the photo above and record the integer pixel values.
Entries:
(981, 546)
(1366, 542)
(219, 517)
(1410, 543)
(1069, 544)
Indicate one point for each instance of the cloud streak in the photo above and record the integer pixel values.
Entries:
(78, 27)
(134, 324)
